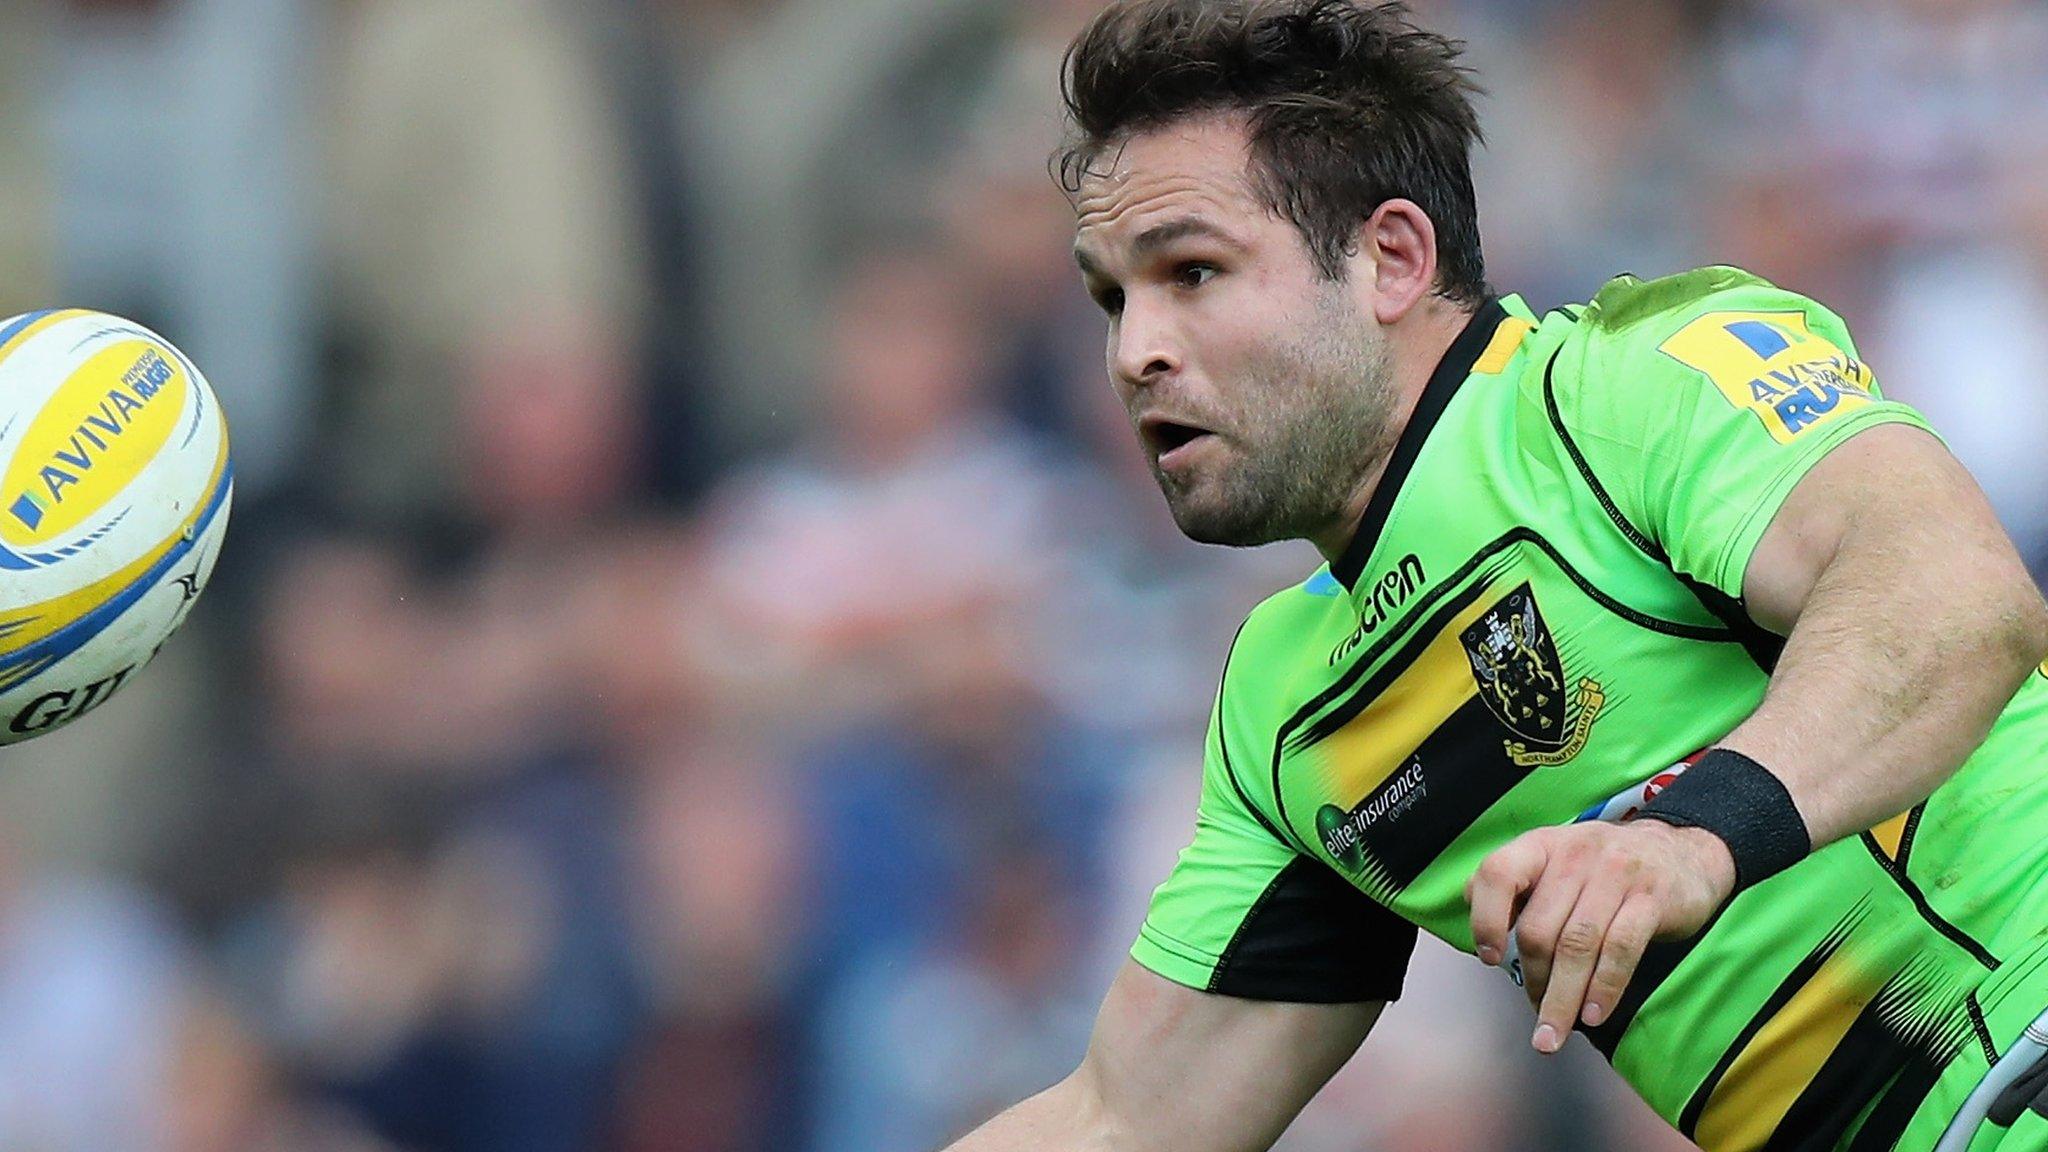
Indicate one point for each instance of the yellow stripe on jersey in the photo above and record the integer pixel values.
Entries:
(1507, 339)
(1783, 1058)
(1364, 753)
(1890, 834)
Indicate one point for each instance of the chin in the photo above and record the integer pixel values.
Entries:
(1229, 528)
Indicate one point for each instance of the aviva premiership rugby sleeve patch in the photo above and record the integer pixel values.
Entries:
(1773, 365)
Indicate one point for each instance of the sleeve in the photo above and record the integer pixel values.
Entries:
(1245, 914)
(1693, 422)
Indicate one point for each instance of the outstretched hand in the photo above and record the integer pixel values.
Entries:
(1584, 900)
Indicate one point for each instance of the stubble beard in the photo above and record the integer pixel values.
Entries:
(1315, 417)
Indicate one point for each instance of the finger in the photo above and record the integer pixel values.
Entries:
(1634, 926)
(1543, 917)
(1497, 887)
(1578, 950)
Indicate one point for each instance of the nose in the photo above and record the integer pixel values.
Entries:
(1145, 349)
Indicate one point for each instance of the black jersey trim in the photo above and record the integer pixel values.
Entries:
(1312, 938)
(1394, 635)
(1451, 373)
(1473, 772)
(1887, 1122)
(1351, 698)
(1897, 871)
(1801, 975)
(1639, 619)
(1981, 1030)
(1871, 1055)
(1763, 645)
(1418, 640)
(1867, 1057)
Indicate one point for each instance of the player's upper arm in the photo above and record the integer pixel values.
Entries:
(1698, 403)
(1172, 1068)
(1926, 509)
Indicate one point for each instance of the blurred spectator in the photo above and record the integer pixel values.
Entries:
(227, 1092)
(91, 984)
(490, 281)
(925, 1041)
(1585, 174)
(1012, 225)
(177, 132)
(908, 527)
(475, 997)
(721, 853)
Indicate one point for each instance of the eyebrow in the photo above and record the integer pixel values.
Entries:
(1162, 234)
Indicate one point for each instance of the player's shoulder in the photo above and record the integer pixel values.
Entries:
(1639, 347)
(1633, 318)
(1302, 622)
(1629, 305)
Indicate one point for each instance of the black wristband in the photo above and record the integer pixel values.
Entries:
(1737, 799)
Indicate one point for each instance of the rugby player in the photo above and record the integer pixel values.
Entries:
(1565, 553)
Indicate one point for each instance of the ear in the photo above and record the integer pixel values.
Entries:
(1400, 241)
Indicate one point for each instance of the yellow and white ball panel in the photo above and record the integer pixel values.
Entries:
(115, 485)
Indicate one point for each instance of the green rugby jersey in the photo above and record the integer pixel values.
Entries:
(1542, 608)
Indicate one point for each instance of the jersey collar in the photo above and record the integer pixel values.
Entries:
(1455, 368)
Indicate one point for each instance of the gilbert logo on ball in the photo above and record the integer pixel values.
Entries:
(114, 494)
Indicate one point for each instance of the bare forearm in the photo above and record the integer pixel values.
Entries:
(1888, 680)
(1064, 1116)
(1171, 1069)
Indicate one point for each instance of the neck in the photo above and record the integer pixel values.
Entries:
(1417, 347)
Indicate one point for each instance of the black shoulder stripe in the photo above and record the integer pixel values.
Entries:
(1380, 681)
(1311, 938)
(1431, 624)
(1420, 611)
(1351, 699)
(1639, 619)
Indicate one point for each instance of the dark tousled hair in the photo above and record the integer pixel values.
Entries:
(1350, 104)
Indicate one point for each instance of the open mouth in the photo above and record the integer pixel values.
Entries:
(1164, 437)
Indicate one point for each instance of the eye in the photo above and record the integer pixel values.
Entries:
(1110, 300)
(1193, 274)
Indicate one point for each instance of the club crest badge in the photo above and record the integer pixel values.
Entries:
(1523, 683)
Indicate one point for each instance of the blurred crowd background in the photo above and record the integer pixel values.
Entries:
(698, 663)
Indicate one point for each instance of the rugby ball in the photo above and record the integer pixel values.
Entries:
(114, 493)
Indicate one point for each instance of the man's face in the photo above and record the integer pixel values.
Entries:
(1260, 389)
